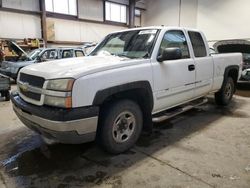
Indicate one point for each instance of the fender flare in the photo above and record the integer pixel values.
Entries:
(102, 95)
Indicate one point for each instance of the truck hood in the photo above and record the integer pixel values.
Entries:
(230, 46)
(6, 64)
(78, 67)
(17, 49)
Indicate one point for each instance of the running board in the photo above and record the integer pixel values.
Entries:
(171, 113)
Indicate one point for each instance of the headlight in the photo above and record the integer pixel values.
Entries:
(64, 102)
(60, 84)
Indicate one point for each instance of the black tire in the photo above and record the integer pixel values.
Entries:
(7, 96)
(224, 96)
(120, 126)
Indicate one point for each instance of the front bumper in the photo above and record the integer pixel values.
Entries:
(71, 126)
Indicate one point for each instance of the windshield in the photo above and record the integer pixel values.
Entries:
(34, 53)
(130, 44)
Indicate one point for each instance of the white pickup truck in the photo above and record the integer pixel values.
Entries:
(130, 80)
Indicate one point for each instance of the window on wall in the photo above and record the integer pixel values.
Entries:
(62, 6)
(115, 12)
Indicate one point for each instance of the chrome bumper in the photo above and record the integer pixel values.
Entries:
(69, 132)
(82, 126)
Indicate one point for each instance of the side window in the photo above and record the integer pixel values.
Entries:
(175, 39)
(79, 53)
(198, 44)
(67, 54)
(49, 54)
(52, 54)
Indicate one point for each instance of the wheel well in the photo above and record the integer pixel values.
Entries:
(233, 73)
(141, 96)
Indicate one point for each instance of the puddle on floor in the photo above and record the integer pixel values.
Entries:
(46, 159)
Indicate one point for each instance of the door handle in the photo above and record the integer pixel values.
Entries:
(191, 67)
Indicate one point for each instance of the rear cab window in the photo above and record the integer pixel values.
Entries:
(198, 44)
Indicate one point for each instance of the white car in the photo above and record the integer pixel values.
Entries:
(130, 80)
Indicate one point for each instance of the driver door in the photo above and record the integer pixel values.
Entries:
(174, 80)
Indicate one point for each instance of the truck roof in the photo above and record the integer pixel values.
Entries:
(158, 27)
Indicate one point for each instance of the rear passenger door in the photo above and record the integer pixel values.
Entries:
(203, 64)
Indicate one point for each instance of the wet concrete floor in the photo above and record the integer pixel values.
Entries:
(205, 147)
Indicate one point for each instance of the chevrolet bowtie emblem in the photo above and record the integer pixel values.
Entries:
(24, 86)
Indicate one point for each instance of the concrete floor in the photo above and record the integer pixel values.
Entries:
(206, 147)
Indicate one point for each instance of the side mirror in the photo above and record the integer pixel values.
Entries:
(170, 54)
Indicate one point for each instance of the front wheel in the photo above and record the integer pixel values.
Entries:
(120, 126)
(224, 96)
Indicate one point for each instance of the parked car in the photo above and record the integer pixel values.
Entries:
(241, 46)
(131, 79)
(11, 69)
(5, 87)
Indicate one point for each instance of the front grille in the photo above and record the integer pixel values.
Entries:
(31, 95)
(35, 81)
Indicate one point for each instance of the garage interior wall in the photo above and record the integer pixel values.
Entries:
(81, 31)
(219, 20)
(205, 15)
(17, 25)
(227, 19)
(66, 30)
(171, 13)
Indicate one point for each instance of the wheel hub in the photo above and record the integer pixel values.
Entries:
(123, 127)
(228, 91)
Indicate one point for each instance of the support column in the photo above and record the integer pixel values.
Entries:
(43, 22)
(131, 13)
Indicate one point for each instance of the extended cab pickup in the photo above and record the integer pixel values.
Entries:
(130, 80)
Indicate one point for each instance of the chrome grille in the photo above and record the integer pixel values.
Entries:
(31, 95)
(33, 81)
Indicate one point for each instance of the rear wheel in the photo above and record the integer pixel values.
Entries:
(224, 96)
(120, 126)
